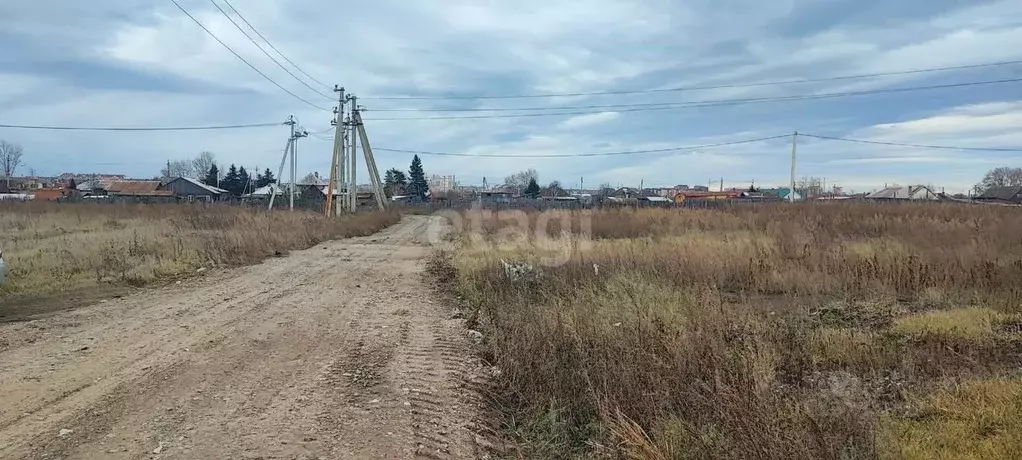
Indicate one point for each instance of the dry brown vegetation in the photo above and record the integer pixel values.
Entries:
(67, 247)
(837, 331)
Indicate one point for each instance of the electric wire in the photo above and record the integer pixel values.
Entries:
(592, 154)
(925, 146)
(235, 53)
(267, 53)
(695, 147)
(147, 128)
(708, 103)
(235, 10)
(700, 88)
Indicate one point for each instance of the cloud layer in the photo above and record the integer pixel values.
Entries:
(135, 62)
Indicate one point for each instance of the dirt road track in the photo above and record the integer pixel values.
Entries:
(339, 351)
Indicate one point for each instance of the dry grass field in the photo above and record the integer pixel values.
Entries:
(60, 248)
(831, 331)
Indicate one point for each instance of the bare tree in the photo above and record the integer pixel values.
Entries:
(203, 163)
(10, 159)
(1000, 177)
(809, 186)
(177, 168)
(521, 179)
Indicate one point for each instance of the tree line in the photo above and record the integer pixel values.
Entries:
(239, 181)
(236, 180)
(413, 184)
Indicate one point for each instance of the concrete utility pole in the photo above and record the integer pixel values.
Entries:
(367, 151)
(338, 123)
(794, 144)
(353, 145)
(292, 150)
(280, 171)
(291, 123)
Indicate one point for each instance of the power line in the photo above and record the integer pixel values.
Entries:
(925, 146)
(698, 104)
(211, 34)
(174, 128)
(700, 88)
(267, 53)
(597, 154)
(235, 10)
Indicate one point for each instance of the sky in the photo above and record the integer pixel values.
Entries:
(132, 63)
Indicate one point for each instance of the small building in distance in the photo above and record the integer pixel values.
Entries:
(496, 196)
(655, 201)
(786, 194)
(1003, 195)
(693, 195)
(909, 192)
(191, 190)
(138, 191)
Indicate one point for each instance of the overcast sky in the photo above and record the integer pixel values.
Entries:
(144, 63)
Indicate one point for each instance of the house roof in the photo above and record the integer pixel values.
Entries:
(133, 186)
(143, 193)
(209, 188)
(892, 193)
(902, 193)
(784, 191)
(266, 189)
(1002, 193)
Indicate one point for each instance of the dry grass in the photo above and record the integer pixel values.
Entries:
(975, 420)
(771, 332)
(975, 324)
(61, 247)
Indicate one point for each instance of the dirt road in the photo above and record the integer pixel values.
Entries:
(339, 351)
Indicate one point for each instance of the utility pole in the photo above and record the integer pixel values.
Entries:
(353, 145)
(367, 151)
(338, 123)
(292, 150)
(794, 145)
(722, 184)
(294, 164)
(291, 122)
(280, 170)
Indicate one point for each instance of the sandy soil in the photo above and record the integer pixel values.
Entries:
(338, 351)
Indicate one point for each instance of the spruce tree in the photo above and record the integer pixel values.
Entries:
(417, 184)
(244, 181)
(533, 189)
(394, 182)
(212, 176)
(231, 180)
(265, 179)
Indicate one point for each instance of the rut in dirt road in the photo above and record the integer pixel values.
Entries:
(338, 351)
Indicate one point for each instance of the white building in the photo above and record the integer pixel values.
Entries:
(441, 183)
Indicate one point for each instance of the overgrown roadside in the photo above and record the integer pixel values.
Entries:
(772, 332)
(63, 255)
